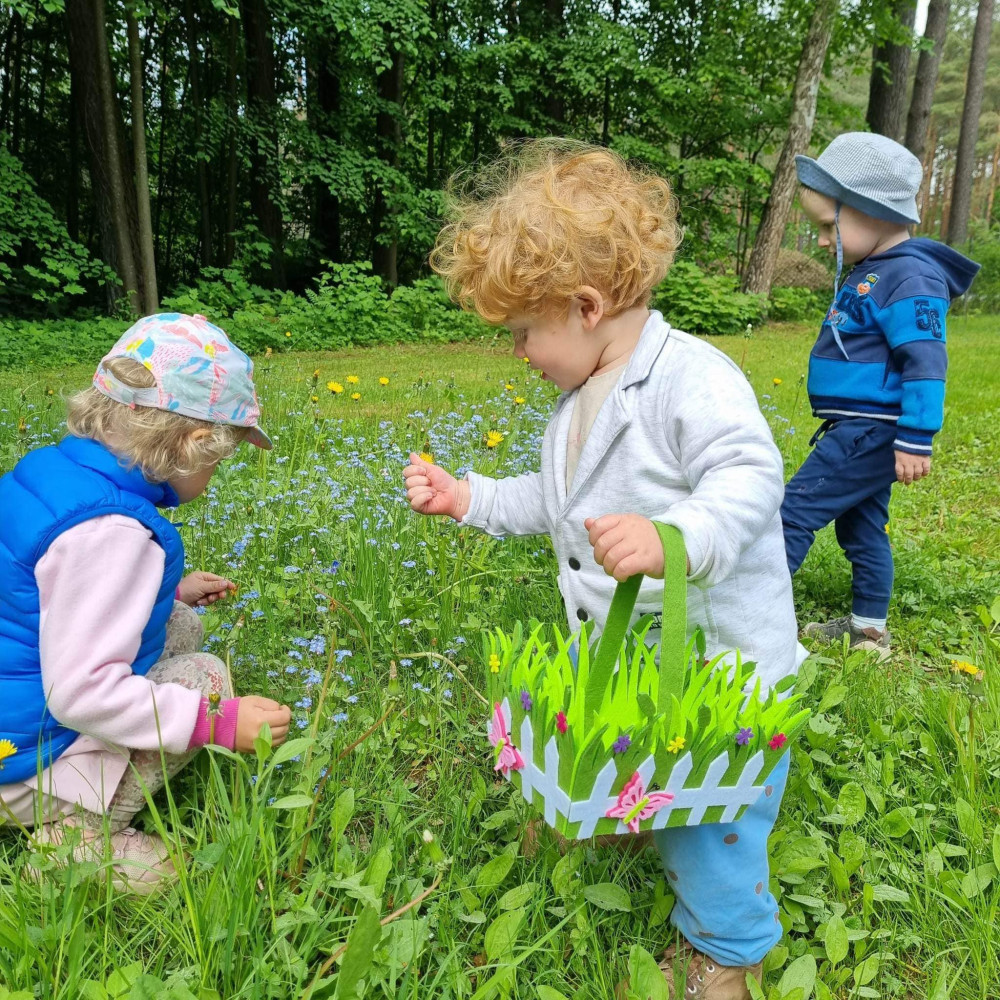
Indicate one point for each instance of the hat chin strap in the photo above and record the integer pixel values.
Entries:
(836, 281)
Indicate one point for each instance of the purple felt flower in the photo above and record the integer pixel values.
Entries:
(621, 744)
(526, 701)
(744, 736)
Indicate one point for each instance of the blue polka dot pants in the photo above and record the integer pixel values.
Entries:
(719, 875)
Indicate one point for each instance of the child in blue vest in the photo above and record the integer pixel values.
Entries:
(877, 371)
(100, 660)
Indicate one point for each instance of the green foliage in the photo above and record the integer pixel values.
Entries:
(796, 305)
(696, 301)
(984, 296)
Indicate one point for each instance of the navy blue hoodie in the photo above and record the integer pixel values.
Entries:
(881, 349)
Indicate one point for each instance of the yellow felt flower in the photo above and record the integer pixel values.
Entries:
(676, 744)
(334, 387)
(493, 438)
(7, 749)
(494, 663)
(383, 381)
(352, 380)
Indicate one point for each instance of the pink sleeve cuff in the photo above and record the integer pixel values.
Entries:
(177, 593)
(225, 725)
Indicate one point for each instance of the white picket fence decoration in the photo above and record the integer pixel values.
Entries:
(587, 812)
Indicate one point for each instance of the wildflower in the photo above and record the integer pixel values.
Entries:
(526, 701)
(268, 352)
(509, 387)
(494, 663)
(315, 374)
(288, 333)
(383, 381)
(621, 744)
(355, 396)
(334, 387)
(426, 456)
(493, 438)
(7, 749)
(519, 400)
(776, 381)
(315, 399)
(676, 744)
(964, 667)
(527, 361)
(777, 741)
(352, 379)
(744, 736)
(561, 724)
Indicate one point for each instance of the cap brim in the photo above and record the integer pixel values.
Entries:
(259, 439)
(813, 176)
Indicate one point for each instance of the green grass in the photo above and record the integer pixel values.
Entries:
(886, 852)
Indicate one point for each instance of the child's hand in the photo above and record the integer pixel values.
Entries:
(910, 468)
(431, 490)
(204, 589)
(626, 544)
(253, 713)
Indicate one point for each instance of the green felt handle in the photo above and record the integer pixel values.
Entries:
(673, 631)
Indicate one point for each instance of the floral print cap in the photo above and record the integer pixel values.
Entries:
(199, 372)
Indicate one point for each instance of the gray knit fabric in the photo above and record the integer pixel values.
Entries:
(869, 172)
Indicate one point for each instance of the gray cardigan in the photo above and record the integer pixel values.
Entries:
(680, 440)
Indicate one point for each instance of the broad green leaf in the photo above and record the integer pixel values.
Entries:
(996, 846)
(968, 821)
(978, 880)
(889, 894)
(608, 896)
(494, 872)
(297, 801)
(501, 935)
(899, 822)
(121, 980)
(645, 978)
(365, 935)
(835, 694)
(291, 749)
(835, 941)
(548, 993)
(518, 896)
(800, 974)
(343, 810)
(851, 803)
(866, 971)
(378, 870)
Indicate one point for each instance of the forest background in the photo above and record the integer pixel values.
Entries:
(280, 164)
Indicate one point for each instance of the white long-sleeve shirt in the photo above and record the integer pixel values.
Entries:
(679, 440)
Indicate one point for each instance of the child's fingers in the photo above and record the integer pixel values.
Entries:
(604, 543)
(598, 526)
(615, 555)
(627, 566)
(417, 480)
(420, 498)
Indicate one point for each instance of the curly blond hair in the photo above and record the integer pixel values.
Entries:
(523, 236)
(162, 444)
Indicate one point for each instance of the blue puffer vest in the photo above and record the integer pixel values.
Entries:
(49, 491)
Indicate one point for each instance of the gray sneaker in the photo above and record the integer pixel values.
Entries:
(140, 862)
(861, 638)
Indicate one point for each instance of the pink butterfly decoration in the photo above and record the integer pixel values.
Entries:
(634, 805)
(508, 757)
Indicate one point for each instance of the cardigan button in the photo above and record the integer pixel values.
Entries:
(574, 563)
(581, 614)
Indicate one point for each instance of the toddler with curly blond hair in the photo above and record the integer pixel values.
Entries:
(106, 691)
(563, 244)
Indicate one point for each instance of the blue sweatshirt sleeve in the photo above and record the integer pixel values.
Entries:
(913, 321)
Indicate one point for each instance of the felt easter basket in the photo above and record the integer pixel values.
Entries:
(604, 739)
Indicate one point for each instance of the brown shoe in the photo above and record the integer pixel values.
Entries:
(702, 978)
(140, 862)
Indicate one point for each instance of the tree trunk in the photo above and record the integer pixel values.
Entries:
(616, 8)
(262, 120)
(15, 100)
(918, 120)
(73, 186)
(204, 200)
(929, 156)
(389, 136)
(555, 23)
(8, 48)
(151, 303)
(764, 256)
(965, 161)
(232, 153)
(992, 189)
(327, 228)
(887, 87)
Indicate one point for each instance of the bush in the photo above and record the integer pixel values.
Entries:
(797, 304)
(984, 296)
(697, 302)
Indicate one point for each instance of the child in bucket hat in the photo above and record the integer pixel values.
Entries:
(100, 648)
(877, 370)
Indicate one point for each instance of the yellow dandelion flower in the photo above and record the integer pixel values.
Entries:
(288, 333)
(268, 352)
(494, 663)
(7, 749)
(964, 667)
(355, 396)
(676, 744)
(315, 399)
(519, 400)
(426, 456)
(316, 373)
(352, 379)
(527, 361)
(383, 381)
(509, 387)
(776, 381)
(335, 387)
(493, 438)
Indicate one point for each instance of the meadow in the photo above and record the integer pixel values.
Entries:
(376, 854)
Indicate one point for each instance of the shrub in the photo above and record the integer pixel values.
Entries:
(797, 304)
(697, 302)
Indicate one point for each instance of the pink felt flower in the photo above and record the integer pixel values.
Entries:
(561, 724)
(508, 757)
(634, 805)
(777, 741)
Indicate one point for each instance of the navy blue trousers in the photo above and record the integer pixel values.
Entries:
(847, 479)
